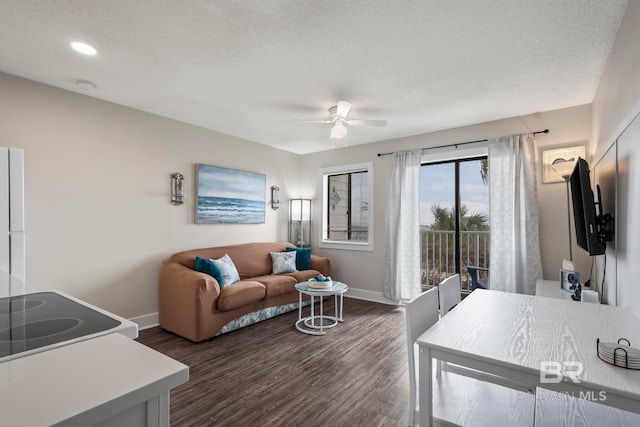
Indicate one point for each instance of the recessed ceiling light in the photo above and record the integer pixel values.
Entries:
(84, 48)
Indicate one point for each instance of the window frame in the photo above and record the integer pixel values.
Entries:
(324, 206)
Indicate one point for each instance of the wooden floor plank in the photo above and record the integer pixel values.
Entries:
(270, 374)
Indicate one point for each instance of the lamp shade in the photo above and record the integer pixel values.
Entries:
(300, 210)
(564, 169)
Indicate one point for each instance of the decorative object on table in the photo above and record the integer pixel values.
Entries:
(568, 278)
(300, 222)
(577, 292)
(275, 197)
(568, 155)
(229, 196)
(619, 354)
(177, 188)
(320, 282)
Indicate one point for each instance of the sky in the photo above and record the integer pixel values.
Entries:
(437, 185)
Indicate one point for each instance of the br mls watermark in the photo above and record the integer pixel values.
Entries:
(552, 372)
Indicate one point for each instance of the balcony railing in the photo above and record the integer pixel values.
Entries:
(437, 258)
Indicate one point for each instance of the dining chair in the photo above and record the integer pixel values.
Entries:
(449, 293)
(421, 313)
(457, 399)
(476, 282)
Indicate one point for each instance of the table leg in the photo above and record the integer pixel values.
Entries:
(299, 306)
(425, 387)
(321, 315)
(313, 312)
(341, 305)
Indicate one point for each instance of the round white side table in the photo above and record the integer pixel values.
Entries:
(316, 324)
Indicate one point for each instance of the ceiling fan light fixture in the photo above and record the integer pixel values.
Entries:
(338, 131)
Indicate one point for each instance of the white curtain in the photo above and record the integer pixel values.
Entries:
(402, 266)
(515, 250)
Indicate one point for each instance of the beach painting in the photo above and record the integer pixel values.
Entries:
(230, 196)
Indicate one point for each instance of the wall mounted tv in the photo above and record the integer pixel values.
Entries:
(593, 229)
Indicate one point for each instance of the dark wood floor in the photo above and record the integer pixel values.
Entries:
(270, 374)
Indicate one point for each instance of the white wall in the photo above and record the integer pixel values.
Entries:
(364, 271)
(616, 103)
(97, 180)
(617, 100)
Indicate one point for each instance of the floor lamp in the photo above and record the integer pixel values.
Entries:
(564, 169)
(300, 222)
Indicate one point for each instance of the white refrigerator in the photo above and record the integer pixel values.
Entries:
(12, 237)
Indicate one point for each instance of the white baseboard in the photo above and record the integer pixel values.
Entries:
(151, 320)
(368, 296)
(147, 321)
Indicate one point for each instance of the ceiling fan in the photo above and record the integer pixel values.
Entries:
(339, 116)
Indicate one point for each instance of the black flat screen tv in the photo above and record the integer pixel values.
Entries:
(587, 221)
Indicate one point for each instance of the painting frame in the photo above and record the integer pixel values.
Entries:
(229, 196)
(552, 156)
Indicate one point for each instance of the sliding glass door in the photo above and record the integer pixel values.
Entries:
(454, 219)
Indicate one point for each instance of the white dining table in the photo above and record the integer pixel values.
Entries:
(521, 336)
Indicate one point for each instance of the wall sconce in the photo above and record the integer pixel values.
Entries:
(300, 222)
(177, 191)
(275, 197)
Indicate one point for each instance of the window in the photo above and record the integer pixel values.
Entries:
(347, 196)
(454, 219)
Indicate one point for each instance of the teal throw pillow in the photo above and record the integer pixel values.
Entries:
(227, 269)
(207, 266)
(303, 258)
(283, 262)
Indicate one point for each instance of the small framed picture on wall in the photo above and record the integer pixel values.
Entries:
(559, 155)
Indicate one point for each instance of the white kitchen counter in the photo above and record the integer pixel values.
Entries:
(108, 380)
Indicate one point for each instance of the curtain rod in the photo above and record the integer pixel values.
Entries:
(460, 143)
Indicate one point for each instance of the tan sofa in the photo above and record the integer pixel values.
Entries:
(192, 305)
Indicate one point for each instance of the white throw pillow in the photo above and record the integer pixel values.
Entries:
(228, 269)
(283, 262)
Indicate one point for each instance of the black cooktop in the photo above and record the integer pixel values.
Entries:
(37, 320)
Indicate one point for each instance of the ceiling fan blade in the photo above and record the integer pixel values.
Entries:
(343, 109)
(311, 121)
(377, 123)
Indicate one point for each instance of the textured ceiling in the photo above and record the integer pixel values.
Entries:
(247, 68)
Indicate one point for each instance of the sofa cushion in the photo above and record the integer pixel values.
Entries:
(303, 258)
(240, 294)
(283, 262)
(204, 265)
(277, 284)
(303, 276)
(227, 270)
